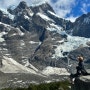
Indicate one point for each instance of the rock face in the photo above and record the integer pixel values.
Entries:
(82, 83)
(32, 34)
(4, 18)
(84, 51)
(82, 26)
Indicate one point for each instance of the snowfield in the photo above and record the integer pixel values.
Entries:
(55, 71)
(72, 43)
(57, 28)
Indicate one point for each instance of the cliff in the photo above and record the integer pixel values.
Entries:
(82, 83)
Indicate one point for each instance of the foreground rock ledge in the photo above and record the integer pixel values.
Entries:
(82, 83)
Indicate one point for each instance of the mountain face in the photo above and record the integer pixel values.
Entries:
(4, 18)
(33, 33)
(34, 40)
(82, 26)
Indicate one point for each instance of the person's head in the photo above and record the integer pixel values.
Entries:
(80, 58)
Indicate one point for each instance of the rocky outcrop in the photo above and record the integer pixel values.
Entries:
(84, 51)
(5, 18)
(42, 8)
(82, 83)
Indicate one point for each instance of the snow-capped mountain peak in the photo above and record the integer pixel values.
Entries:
(38, 43)
(22, 5)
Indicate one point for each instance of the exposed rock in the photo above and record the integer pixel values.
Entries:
(88, 43)
(5, 18)
(84, 51)
(82, 25)
(42, 8)
(21, 8)
(82, 83)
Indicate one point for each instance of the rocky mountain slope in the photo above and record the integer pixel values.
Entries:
(32, 34)
(34, 40)
(82, 26)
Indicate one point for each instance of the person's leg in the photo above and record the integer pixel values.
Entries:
(78, 73)
(72, 78)
(84, 72)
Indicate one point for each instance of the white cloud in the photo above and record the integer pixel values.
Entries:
(61, 7)
(85, 7)
(71, 18)
(7, 3)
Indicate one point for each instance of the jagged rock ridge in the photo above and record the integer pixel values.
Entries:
(28, 37)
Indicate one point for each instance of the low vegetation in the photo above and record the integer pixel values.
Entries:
(63, 85)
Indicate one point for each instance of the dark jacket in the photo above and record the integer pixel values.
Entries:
(80, 69)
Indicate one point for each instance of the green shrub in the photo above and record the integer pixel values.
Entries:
(63, 85)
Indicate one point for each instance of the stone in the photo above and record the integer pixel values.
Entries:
(81, 83)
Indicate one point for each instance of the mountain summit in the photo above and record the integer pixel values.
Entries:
(22, 5)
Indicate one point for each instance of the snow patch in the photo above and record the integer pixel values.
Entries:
(53, 14)
(37, 3)
(5, 24)
(56, 28)
(12, 7)
(32, 42)
(11, 66)
(13, 34)
(31, 13)
(31, 66)
(44, 17)
(7, 13)
(1, 36)
(55, 71)
(87, 20)
(20, 32)
(22, 43)
(26, 17)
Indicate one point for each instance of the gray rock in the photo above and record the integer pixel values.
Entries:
(82, 83)
(82, 25)
(84, 51)
(5, 18)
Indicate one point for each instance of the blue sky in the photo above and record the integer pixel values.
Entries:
(69, 9)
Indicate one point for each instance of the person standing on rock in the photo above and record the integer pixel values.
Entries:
(80, 69)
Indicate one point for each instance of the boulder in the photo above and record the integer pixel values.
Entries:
(81, 83)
